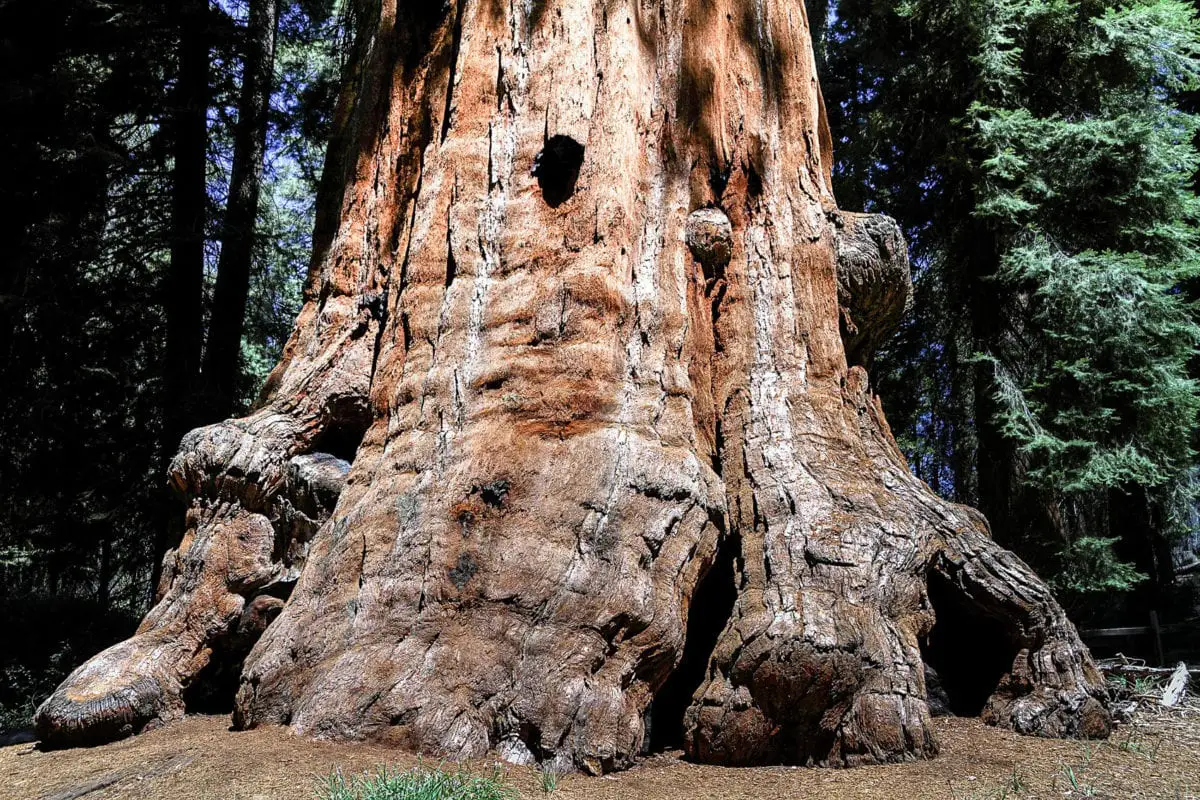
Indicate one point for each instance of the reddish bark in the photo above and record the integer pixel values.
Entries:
(585, 302)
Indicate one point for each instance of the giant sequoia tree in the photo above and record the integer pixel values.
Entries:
(574, 437)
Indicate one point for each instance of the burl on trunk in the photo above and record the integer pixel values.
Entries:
(585, 340)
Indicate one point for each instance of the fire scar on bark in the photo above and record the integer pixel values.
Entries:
(573, 451)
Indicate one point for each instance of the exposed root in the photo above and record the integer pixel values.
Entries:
(255, 506)
(1053, 687)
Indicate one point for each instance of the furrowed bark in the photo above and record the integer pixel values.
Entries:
(620, 466)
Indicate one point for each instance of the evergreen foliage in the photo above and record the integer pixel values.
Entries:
(1040, 154)
(1036, 153)
(86, 181)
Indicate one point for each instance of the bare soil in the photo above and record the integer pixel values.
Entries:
(201, 759)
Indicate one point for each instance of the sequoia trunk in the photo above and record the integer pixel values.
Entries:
(589, 324)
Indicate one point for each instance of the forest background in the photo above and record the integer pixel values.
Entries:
(160, 165)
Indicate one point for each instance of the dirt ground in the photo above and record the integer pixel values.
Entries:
(200, 759)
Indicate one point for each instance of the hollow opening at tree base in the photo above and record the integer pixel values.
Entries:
(711, 607)
(966, 654)
(213, 689)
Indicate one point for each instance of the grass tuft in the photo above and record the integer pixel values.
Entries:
(418, 783)
(549, 780)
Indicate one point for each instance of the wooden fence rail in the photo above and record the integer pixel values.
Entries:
(1154, 629)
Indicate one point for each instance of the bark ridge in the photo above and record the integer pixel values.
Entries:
(589, 323)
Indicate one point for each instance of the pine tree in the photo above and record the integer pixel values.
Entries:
(86, 184)
(1035, 151)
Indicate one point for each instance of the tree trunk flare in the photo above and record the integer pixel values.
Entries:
(223, 348)
(585, 290)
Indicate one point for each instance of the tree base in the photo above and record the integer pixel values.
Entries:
(588, 324)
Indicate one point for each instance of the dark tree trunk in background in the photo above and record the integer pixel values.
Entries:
(221, 361)
(959, 410)
(994, 453)
(1144, 545)
(818, 20)
(578, 402)
(183, 289)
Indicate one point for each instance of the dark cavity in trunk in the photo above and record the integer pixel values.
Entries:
(969, 651)
(711, 608)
